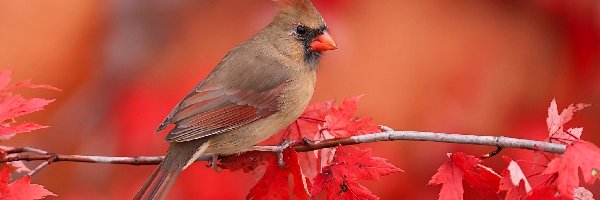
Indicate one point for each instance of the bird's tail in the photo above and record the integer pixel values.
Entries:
(158, 184)
(177, 159)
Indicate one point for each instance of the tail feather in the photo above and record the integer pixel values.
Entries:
(162, 187)
(158, 184)
(179, 157)
(146, 185)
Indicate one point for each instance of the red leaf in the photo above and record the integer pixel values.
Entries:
(339, 118)
(462, 167)
(301, 182)
(514, 181)
(5, 79)
(274, 183)
(556, 123)
(483, 183)
(579, 155)
(8, 132)
(341, 122)
(4, 178)
(27, 83)
(450, 175)
(21, 188)
(317, 111)
(15, 106)
(12, 106)
(363, 165)
(348, 166)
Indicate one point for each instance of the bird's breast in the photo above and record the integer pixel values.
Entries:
(297, 94)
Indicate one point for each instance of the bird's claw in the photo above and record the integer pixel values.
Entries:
(212, 163)
(279, 151)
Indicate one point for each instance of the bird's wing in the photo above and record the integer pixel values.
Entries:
(220, 106)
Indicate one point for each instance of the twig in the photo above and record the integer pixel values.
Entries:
(26, 149)
(41, 166)
(139, 160)
(493, 153)
(388, 135)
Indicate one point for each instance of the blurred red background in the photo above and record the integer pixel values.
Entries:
(477, 67)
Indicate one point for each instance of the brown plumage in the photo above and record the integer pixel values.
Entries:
(259, 88)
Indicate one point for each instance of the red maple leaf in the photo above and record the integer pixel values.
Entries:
(579, 155)
(514, 181)
(274, 183)
(462, 167)
(13, 105)
(556, 132)
(556, 123)
(340, 178)
(21, 188)
(341, 122)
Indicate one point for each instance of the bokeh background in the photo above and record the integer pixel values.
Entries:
(479, 67)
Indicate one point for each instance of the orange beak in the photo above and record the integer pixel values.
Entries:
(323, 42)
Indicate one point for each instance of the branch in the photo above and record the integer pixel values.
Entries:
(495, 141)
(31, 154)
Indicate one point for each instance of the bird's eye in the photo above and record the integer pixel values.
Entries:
(301, 30)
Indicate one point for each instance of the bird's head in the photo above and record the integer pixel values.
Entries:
(300, 24)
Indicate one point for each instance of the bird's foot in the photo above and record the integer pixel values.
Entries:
(276, 149)
(279, 151)
(212, 163)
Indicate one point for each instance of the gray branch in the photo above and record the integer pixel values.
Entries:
(29, 154)
(496, 141)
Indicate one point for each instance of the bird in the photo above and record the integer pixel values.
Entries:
(256, 90)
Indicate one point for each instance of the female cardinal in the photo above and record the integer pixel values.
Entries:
(259, 88)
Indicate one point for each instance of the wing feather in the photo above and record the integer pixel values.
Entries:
(213, 110)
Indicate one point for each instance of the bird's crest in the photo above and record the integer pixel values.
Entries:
(298, 4)
(299, 10)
